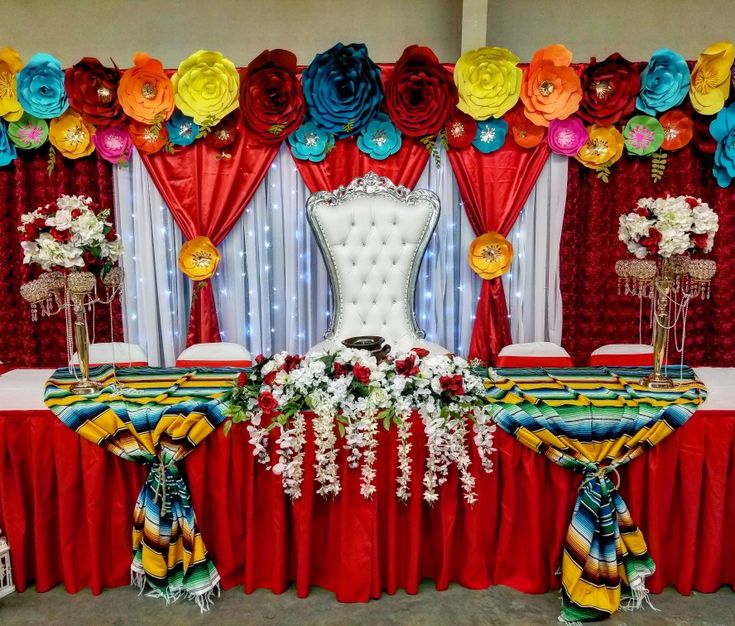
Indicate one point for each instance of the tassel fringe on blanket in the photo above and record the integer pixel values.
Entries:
(203, 598)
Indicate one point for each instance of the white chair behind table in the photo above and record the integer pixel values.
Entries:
(221, 354)
(623, 354)
(122, 354)
(534, 354)
(372, 235)
(6, 571)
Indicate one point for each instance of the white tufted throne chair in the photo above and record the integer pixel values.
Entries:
(372, 235)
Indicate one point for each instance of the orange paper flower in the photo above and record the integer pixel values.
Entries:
(603, 148)
(145, 92)
(146, 137)
(71, 135)
(678, 129)
(525, 133)
(490, 255)
(551, 88)
(199, 258)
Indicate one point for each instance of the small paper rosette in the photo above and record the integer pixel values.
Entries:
(113, 143)
(343, 89)
(199, 258)
(40, 86)
(566, 137)
(460, 129)
(488, 81)
(206, 87)
(722, 129)
(678, 129)
(525, 133)
(28, 132)
(603, 148)
(380, 138)
(490, 255)
(664, 82)
(643, 135)
(710, 81)
(7, 149)
(71, 135)
(147, 138)
(225, 133)
(310, 142)
(145, 91)
(10, 65)
(490, 135)
(182, 130)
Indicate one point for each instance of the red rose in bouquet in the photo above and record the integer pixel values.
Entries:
(452, 384)
(340, 369)
(420, 93)
(407, 366)
(699, 240)
(609, 90)
(361, 373)
(242, 379)
(267, 403)
(92, 91)
(269, 378)
(271, 97)
(292, 362)
(422, 353)
(651, 242)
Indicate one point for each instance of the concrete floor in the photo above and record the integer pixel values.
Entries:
(456, 606)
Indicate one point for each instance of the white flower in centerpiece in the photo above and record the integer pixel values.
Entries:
(88, 229)
(111, 250)
(61, 220)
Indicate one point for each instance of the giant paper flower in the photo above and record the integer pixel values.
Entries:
(28, 132)
(206, 87)
(525, 133)
(490, 135)
(40, 86)
(310, 142)
(609, 90)
(488, 81)
(490, 255)
(271, 97)
(664, 82)
(723, 130)
(643, 135)
(224, 134)
(198, 258)
(182, 130)
(7, 149)
(10, 65)
(71, 135)
(92, 91)
(147, 137)
(566, 137)
(603, 148)
(710, 82)
(460, 129)
(380, 138)
(678, 129)
(145, 92)
(419, 93)
(113, 143)
(551, 88)
(342, 89)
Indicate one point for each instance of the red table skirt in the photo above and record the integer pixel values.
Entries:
(66, 507)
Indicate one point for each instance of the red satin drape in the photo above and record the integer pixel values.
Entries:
(594, 313)
(207, 196)
(494, 187)
(66, 507)
(24, 186)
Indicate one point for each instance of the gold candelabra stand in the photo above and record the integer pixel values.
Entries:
(669, 283)
(74, 293)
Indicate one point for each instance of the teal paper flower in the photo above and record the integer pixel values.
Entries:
(490, 135)
(7, 149)
(310, 142)
(722, 129)
(40, 86)
(182, 131)
(380, 138)
(664, 82)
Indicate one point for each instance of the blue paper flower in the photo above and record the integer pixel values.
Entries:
(182, 131)
(380, 138)
(7, 149)
(342, 89)
(664, 82)
(40, 85)
(490, 135)
(310, 143)
(722, 129)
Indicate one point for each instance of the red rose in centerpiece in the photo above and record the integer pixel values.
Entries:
(92, 91)
(699, 240)
(609, 90)
(259, 359)
(292, 361)
(651, 242)
(269, 378)
(361, 373)
(267, 403)
(407, 366)
(242, 379)
(271, 97)
(340, 369)
(452, 384)
(422, 353)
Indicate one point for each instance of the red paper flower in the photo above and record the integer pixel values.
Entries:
(420, 93)
(224, 134)
(147, 138)
(609, 90)
(461, 129)
(407, 366)
(678, 129)
(452, 384)
(271, 97)
(361, 373)
(267, 403)
(92, 91)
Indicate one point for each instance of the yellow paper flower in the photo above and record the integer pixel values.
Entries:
(710, 84)
(206, 87)
(71, 135)
(489, 82)
(490, 255)
(10, 65)
(603, 148)
(199, 258)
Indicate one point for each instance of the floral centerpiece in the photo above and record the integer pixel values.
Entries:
(348, 394)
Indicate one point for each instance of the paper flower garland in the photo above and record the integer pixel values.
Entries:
(710, 82)
(609, 90)
(525, 133)
(490, 255)
(460, 129)
(206, 87)
(28, 132)
(92, 91)
(419, 93)
(488, 82)
(643, 135)
(310, 142)
(10, 65)
(551, 88)
(113, 143)
(145, 92)
(664, 82)
(723, 131)
(380, 138)
(271, 97)
(146, 137)
(490, 135)
(342, 88)
(566, 137)
(199, 258)
(71, 135)
(182, 130)
(678, 129)
(7, 149)
(40, 86)
(603, 148)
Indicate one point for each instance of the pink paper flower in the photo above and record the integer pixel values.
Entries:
(567, 136)
(113, 143)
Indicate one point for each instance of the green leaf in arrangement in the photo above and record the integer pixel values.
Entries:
(51, 163)
(429, 143)
(604, 173)
(227, 427)
(349, 126)
(341, 428)
(276, 129)
(658, 165)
